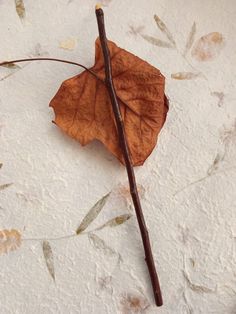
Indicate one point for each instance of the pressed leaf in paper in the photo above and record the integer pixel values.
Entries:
(124, 190)
(116, 221)
(10, 240)
(105, 3)
(92, 214)
(220, 96)
(135, 30)
(48, 255)
(20, 8)
(133, 303)
(101, 245)
(214, 167)
(83, 108)
(162, 26)
(157, 42)
(208, 47)
(190, 38)
(5, 186)
(12, 66)
(184, 75)
(68, 44)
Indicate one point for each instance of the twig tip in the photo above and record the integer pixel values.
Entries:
(98, 6)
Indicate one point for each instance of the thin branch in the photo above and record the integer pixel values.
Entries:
(52, 239)
(51, 59)
(203, 179)
(64, 237)
(127, 158)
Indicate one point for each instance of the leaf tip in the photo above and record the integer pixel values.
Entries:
(20, 8)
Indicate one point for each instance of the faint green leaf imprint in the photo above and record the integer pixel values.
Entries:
(48, 255)
(157, 42)
(92, 214)
(11, 240)
(225, 156)
(161, 25)
(205, 48)
(20, 8)
(197, 288)
(100, 244)
(215, 165)
(190, 39)
(135, 30)
(94, 239)
(220, 96)
(116, 221)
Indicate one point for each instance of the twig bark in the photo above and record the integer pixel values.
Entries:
(127, 158)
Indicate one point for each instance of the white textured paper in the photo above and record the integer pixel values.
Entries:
(187, 185)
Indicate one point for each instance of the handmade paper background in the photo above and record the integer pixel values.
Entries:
(48, 182)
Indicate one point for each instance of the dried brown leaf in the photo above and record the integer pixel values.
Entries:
(208, 47)
(162, 26)
(83, 108)
(190, 39)
(20, 8)
(157, 42)
(184, 75)
(4, 186)
(101, 245)
(1, 165)
(92, 214)
(10, 240)
(48, 255)
(116, 221)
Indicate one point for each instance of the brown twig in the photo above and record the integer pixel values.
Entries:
(127, 158)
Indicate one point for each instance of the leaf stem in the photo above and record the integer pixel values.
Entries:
(127, 158)
(51, 59)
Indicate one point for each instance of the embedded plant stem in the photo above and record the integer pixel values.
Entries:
(127, 158)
